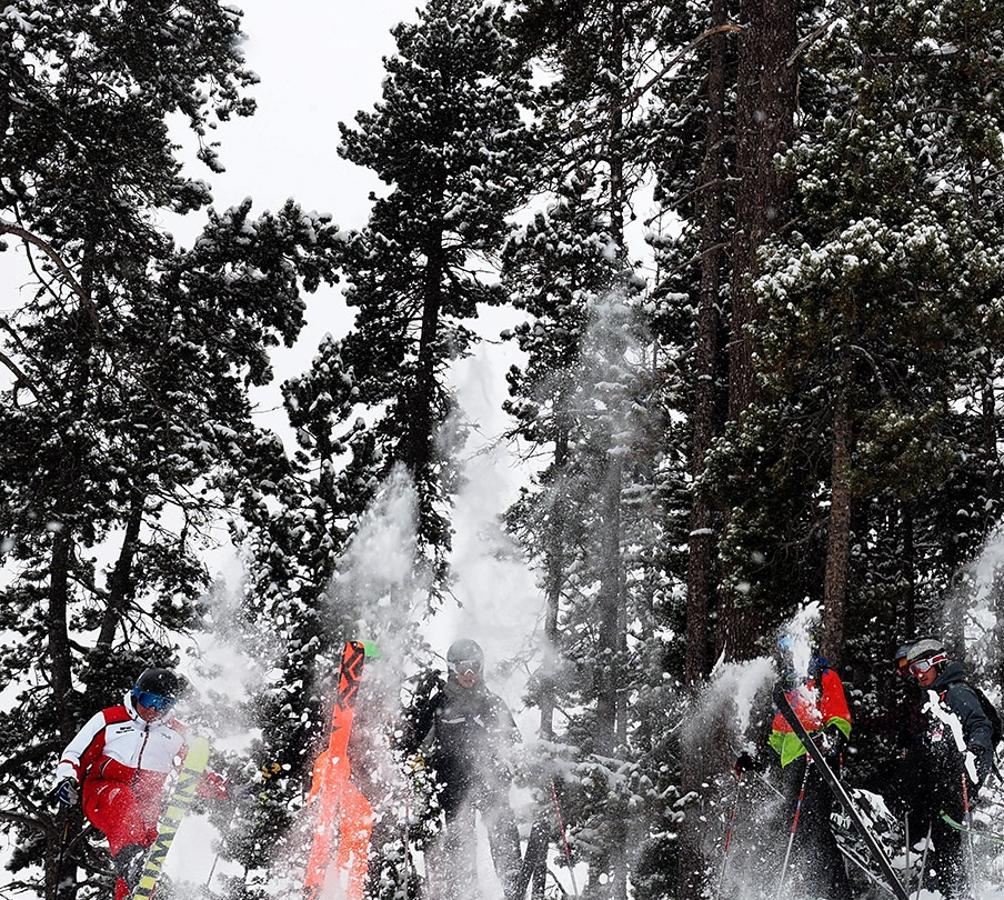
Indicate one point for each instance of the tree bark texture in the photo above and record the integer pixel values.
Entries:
(611, 709)
(120, 583)
(838, 541)
(988, 416)
(555, 572)
(765, 110)
(700, 566)
(420, 434)
(702, 539)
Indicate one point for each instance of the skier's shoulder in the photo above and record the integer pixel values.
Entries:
(498, 708)
(113, 715)
(954, 688)
(494, 699)
(963, 699)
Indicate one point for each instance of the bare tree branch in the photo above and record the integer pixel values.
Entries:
(727, 28)
(23, 379)
(31, 238)
(27, 821)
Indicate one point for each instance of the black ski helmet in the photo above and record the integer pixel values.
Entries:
(160, 681)
(901, 659)
(463, 656)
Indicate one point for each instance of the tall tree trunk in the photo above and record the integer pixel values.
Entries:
(422, 424)
(120, 583)
(702, 543)
(992, 506)
(60, 865)
(60, 871)
(700, 580)
(555, 569)
(611, 640)
(554, 581)
(988, 420)
(610, 709)
(838, 541)
(60, 660)
(909, 564)
(765, 110)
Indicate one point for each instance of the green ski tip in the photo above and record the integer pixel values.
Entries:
(371, 650)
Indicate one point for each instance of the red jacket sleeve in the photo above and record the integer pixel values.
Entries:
(833, 702)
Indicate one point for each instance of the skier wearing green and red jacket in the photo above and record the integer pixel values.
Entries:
(818, 699)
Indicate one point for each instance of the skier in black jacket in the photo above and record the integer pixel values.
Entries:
(467, 736)
(956, 758)
(910, 729)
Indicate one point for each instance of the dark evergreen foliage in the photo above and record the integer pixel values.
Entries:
(783, 388)
(449, 141)
(131, 361)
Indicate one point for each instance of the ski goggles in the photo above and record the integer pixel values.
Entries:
(153, 701)
(924, 665)
(463, 666)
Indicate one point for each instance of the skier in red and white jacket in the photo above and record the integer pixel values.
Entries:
(121, 759)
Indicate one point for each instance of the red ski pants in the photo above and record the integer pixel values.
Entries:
(124, 815)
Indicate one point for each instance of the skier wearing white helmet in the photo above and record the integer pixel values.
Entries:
(955, 758)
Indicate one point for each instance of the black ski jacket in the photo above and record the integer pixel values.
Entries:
(977, 732)
(467, 732)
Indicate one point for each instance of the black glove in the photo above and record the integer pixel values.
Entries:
(67, 792)
(245, 795)
(834, 742)
(744, 762)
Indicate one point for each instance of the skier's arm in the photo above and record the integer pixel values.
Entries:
(976, 728)
(508, 731)
(833, 706)
(69, 762)
(418, 721)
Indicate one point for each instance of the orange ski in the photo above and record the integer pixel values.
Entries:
(337, 803)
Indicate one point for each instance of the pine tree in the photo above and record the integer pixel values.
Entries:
(448, 138)
(875, 307)
(599, 529)
(131, 359)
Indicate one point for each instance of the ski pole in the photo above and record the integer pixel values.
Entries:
(729, 826)
(794, 829)
(969, 825)
(212, 870)
(906, 838)
(405, 840)
(868, 873)
(564, 838)
(923, 861)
